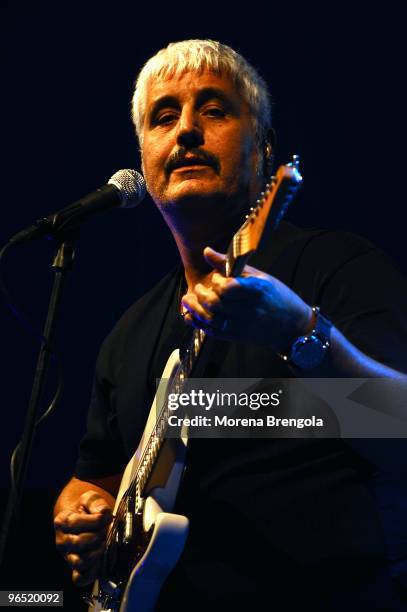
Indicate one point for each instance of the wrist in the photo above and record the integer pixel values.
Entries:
(301, 326)
(309, 349)
(307, 322)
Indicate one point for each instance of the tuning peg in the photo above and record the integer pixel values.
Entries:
(296, 161)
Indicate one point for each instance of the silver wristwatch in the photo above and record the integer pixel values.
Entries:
(309, 351)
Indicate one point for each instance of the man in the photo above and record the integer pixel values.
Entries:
(265, 515)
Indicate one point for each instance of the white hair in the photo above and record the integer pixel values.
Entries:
(198, 56)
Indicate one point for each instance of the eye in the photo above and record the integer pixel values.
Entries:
(165, 118)
(215, 111)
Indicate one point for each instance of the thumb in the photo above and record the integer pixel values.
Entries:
(215, 259)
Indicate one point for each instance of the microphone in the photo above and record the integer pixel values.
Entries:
(125, 189)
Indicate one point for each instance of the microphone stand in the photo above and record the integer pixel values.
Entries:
(62, 263)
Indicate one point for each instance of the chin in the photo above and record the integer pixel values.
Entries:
(195, 189)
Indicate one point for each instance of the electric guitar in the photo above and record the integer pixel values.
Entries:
(145, 539)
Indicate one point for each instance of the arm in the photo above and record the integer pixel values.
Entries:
(82, 514)
(258, 308)
(345, 360)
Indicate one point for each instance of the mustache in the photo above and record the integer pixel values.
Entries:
(195, 156)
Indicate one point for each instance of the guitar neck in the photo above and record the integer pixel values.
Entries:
(268, 209)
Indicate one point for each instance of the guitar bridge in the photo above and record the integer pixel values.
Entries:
(95, 600)
(108, 598)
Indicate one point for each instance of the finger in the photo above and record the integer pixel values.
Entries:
(83, 563)
(195, 309)
(226, 288)
(215, 259)
(219, 329)
(244, 292)
(221, 283)
(83, 579)
(218, 260)
(66, 543)
(93, 502)
(78, 522)
(208, 299)
(200, 319)
(250, 271)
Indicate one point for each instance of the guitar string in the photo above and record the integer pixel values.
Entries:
(133, 485)
(197, 335)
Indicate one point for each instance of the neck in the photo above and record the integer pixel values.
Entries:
(194, 232)
(196, 268)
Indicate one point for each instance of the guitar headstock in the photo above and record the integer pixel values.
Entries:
(269, 208)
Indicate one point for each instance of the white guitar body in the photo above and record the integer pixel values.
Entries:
(168, 531)
(163, 552)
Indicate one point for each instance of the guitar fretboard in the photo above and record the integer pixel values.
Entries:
(184, 371)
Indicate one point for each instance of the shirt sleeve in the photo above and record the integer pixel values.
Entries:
(366, 298)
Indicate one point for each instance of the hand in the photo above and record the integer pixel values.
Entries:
(252, 308)
(80, 535)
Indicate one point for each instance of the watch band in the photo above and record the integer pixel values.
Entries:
(322, 326)
(309, 350)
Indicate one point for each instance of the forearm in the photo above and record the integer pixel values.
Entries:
(344, 360)
(260, 309)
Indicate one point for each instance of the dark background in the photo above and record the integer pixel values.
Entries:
(336, 74)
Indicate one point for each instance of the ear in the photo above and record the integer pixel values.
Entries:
(268, 152)
(271, 137)
(141, 161)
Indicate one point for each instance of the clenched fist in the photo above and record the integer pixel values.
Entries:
(80, 533)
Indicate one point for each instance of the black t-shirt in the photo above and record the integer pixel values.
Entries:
(302, 501)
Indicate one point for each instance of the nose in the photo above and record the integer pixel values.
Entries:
(190, 133)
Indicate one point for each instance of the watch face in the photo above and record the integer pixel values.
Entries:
(307, 352)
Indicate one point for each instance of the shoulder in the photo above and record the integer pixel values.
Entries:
(317, 262)
(296, 255)
(323, 253)
(328, 246)
(335, 255)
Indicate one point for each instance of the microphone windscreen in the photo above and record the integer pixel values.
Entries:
(131, 185)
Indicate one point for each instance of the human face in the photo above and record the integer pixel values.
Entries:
(198, 141)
